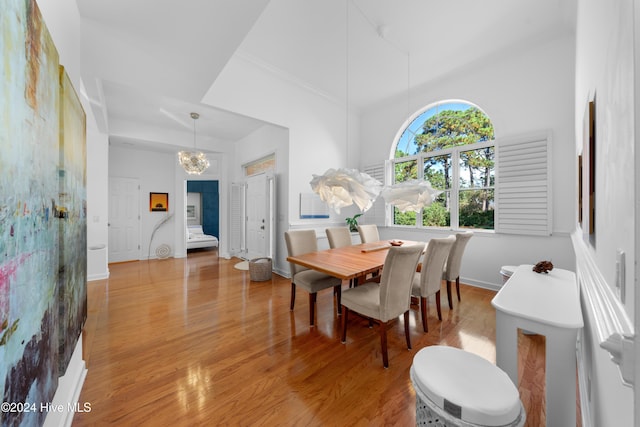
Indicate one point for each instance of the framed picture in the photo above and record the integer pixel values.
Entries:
(580, 189)
(158, 202)
(587, 173)
(191, 212)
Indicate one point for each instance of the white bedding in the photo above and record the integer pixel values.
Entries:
(197, 239)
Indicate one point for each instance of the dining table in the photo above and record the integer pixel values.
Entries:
(350, 262)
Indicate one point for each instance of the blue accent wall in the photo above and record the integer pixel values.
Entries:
(210, 204)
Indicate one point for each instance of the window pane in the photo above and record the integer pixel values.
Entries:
(437, 213)
(406, 170)
(438, 171)
(477, 168)
(404, 218)
(477, 208)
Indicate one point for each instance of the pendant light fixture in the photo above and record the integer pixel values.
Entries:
(411, 195)
(194, 162)
(343, 187)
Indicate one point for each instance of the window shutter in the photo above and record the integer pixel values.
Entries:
(236, 235)
(376, 214)
(523, 189)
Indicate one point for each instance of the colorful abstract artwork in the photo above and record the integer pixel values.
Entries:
(34, 299)
(72, 219)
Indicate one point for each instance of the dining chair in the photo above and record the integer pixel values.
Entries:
(428, 281)
(385, 301)
(451, 270)
(301, 242)
(368, 233)
(338, 237)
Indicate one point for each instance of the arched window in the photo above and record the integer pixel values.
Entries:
(450, 144)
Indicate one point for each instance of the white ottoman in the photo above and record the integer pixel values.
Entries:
(457, 388)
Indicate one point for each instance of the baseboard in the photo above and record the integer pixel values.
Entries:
(480, 284)
(68, 393)
(100, 276)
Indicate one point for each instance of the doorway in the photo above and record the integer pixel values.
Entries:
(203, 206)
(253, 226)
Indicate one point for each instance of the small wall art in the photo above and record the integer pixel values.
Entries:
(158, 202)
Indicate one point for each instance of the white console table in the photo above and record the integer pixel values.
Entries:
(547, 304)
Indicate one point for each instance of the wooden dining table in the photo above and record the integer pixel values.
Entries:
(349, 262)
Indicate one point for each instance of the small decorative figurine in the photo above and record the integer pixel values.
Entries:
(543, 267)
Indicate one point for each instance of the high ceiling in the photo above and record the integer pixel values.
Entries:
(148, 63)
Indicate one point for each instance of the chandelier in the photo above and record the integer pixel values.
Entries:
(194, 162)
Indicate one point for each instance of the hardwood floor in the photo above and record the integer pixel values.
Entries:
(194, 342)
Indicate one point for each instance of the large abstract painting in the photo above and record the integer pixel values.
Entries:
(72, 221)
(36, 207)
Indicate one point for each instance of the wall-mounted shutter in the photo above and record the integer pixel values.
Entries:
(523, 189)
(237, 220)
(376, 214)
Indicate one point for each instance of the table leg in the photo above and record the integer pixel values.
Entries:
(507, 345)
(561, 378)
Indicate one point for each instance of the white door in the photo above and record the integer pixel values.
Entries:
(257, 220)
(124, 219)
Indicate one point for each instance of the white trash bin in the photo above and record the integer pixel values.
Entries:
(458, 388)
(506, 271)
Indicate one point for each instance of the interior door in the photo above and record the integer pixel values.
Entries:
(124, 219)
(257, 208)
(260, 202)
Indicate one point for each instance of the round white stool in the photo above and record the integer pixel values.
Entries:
(457, 388)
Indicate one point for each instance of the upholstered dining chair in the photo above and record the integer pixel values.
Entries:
(338, 237)
(388, 299)
(428, 281)
(454, 262)
(368, 233)
(301, 242)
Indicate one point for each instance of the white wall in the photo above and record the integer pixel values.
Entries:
(523, 91)
(605, 70)
(317, 124)
(160, 173)
(97, 202)
(155, 174)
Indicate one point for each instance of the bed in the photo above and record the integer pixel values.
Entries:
(196, 238)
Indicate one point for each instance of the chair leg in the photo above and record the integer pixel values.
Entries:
(383, 344)
(338, 291)
(312, 307)
(438, 305)
(449, 294)
(458, 287)
(406, 329)
(423, 313)
(293, 295)
(345, 314)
